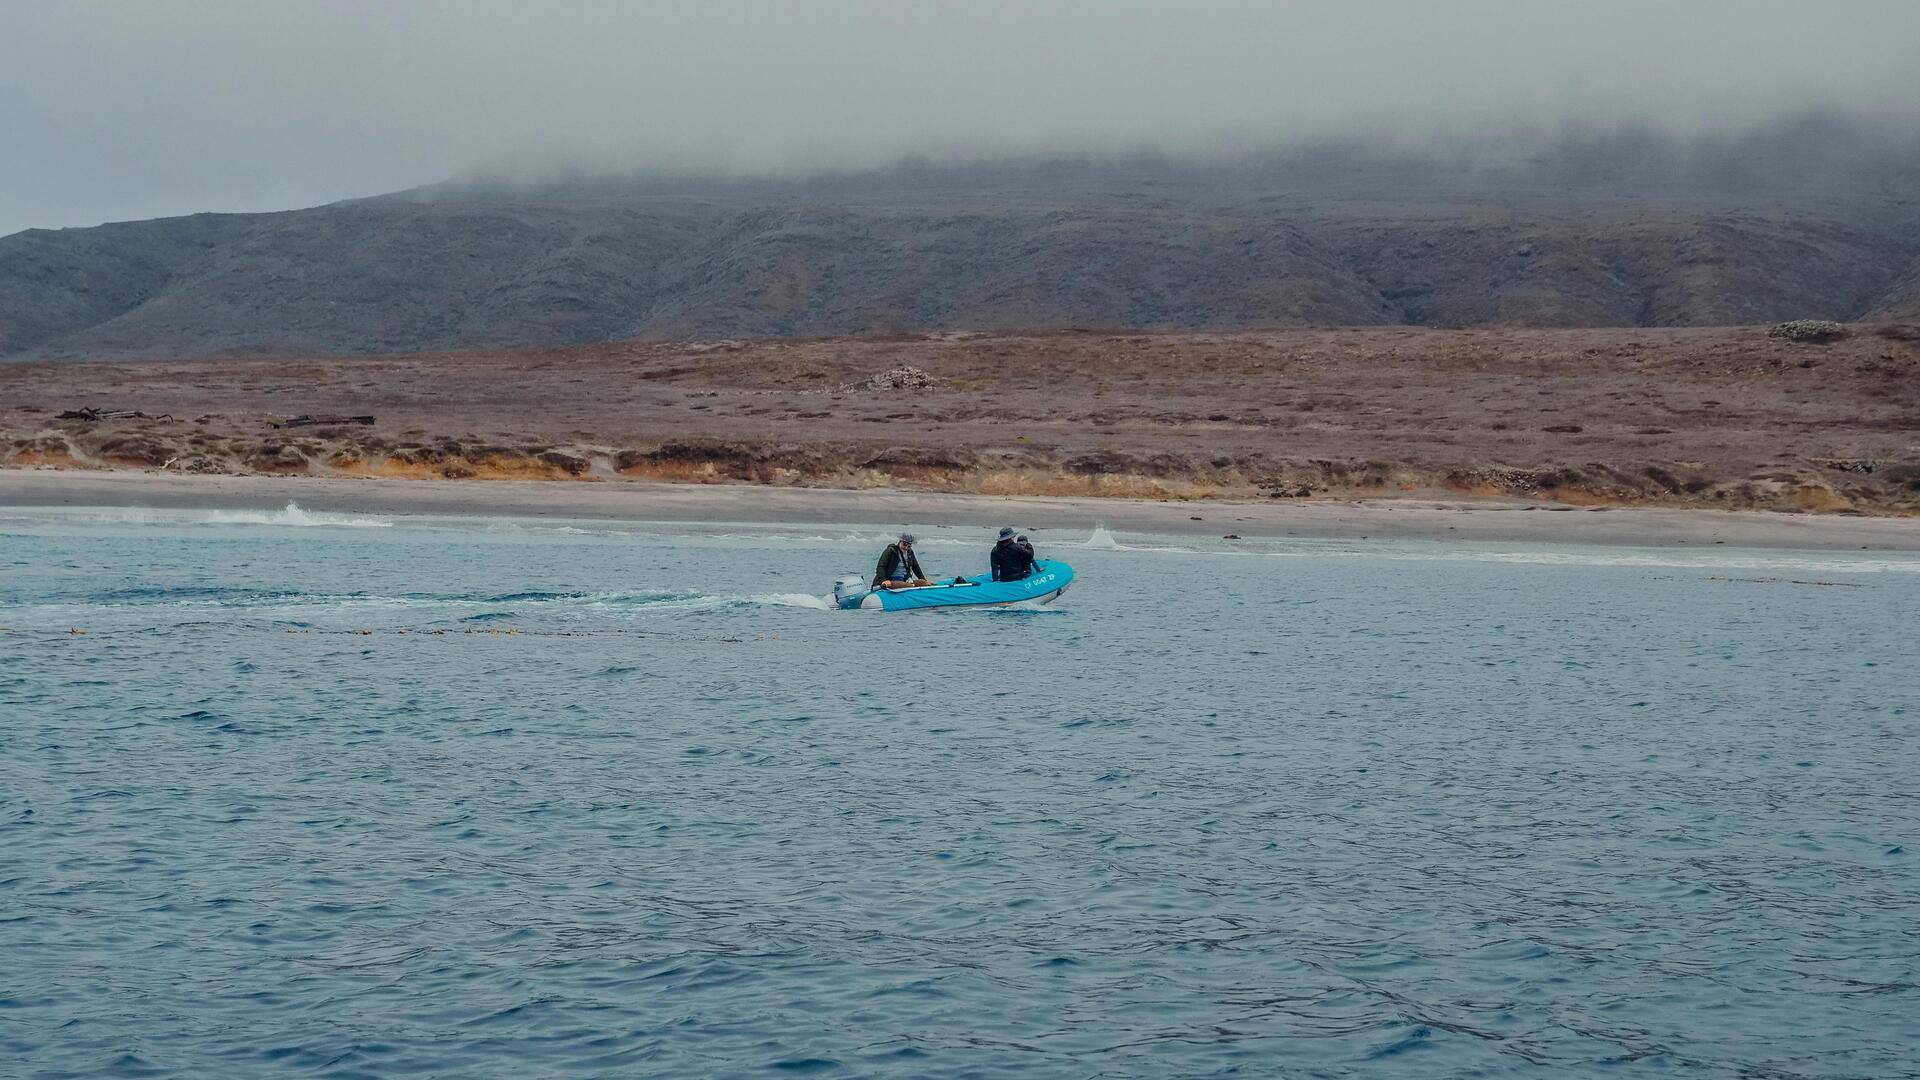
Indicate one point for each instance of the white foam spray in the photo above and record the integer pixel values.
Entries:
(292, 516)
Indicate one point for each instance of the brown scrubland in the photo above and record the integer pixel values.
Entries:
(1711, 417)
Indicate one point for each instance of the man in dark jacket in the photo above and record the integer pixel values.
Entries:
(898, 568)
(1011, 561)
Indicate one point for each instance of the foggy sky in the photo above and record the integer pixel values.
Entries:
(114, 111)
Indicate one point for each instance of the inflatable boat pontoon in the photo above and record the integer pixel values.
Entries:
(1043, 586)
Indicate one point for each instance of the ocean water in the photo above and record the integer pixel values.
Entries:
(298, 794)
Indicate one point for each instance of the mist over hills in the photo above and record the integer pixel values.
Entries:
(1810, 217)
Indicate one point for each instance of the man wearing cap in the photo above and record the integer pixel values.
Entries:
(1011, 561)
(898, 568)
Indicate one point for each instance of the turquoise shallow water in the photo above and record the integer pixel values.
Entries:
(319, 795)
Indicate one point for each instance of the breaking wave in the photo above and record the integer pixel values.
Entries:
(1803, 563)
(291, 515)
(1102, 539)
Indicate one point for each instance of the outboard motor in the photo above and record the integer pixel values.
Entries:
(850, 590)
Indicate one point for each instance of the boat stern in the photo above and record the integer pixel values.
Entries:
(851, 591)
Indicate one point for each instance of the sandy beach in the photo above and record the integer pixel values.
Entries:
(1386, 518)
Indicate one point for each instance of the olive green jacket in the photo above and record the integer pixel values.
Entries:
(890, 560)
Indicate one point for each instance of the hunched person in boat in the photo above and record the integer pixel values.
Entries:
(1011, 560)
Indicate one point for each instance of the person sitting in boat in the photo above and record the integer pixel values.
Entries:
(1011, 561)
(898, 568)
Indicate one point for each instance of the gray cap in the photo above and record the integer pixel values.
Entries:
(906, 538)
(1006, 532)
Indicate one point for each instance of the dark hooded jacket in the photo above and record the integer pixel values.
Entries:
(1011, 560)
(890, 561)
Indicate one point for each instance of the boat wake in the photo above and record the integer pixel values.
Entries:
(296, 607)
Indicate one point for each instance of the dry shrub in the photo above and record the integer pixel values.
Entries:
(1808, 331)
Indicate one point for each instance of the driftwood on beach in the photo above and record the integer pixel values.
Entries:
(305, 420)
(96, 415)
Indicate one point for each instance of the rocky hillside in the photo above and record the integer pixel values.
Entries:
(462, 267)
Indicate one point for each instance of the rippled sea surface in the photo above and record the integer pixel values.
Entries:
(304, 795)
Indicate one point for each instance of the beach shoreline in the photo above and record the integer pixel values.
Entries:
(1392, 518)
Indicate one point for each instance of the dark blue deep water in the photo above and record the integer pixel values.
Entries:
(296, 795)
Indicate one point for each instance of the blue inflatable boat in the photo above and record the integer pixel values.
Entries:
(1043, 586)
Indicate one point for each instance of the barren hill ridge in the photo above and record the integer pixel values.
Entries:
(476, 266)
